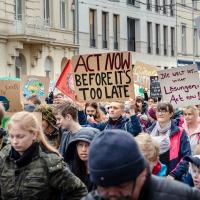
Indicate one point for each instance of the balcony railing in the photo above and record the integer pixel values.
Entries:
(31, 26)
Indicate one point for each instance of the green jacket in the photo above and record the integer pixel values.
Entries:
(44, 176)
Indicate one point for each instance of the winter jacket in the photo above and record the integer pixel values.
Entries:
(158, 188)
(159, 169)
(194, 137)
(179, 148)
(37, 175)
(3, 138)
(131, 125)
(75, 164)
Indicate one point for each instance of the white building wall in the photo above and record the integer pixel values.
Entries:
(123, 10)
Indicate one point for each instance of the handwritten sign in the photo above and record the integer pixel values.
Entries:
(10, 95)
(180, 86)
(35, 85)
(103, 77)
(155, 90)
(142, 72)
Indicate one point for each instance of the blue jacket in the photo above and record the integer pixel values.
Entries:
(179, 148)
(131, 125)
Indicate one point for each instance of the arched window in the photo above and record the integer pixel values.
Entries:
(20, 66)
(63, 63)
(48, 66)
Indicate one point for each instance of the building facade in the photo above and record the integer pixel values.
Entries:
(37, 37)
(146, 28)
(188, 34)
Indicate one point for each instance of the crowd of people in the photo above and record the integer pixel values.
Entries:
(133, 150)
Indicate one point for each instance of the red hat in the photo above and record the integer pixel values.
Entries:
(152, 113)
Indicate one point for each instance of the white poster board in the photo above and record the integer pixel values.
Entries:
(180, 86)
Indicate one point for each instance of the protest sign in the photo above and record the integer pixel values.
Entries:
(180, 86)
(35, 85)
(142, 72)
(155, 90)
(10, 95)
(103, 77)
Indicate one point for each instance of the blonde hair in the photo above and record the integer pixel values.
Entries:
(193, 109)
(148, 146)
(28, 122)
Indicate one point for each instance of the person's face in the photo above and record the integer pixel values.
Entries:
(115, 110)
(45, 125)
(195, 172)
(163, 116)
(90, 111)
(63, 122)
(139, 104)
(20, 139)
(126, 191)
(58, 99)
(189, 116)
(151, 102)
(82, 150)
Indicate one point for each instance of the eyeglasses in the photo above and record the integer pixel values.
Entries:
(162, 111)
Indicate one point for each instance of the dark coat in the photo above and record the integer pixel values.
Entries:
(131, 125)
(157, 188)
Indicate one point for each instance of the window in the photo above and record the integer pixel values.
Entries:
(183, 38)
(183, 2)
(131, 34)
(164, 7)
(62, 13)
(92, 20)
(149, 37)
(172, 4)
(47, 12)
(149, 5)
(48, 66)
(172, 40)
(157, 6)
(18, 9)
(195, 42)
(105, 29)
(165, 39)
(116, 31)
(157, 39)
(194, 4)
(132, 2)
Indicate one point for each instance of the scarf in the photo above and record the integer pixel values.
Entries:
(161, 136)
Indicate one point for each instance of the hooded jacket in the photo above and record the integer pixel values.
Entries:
(75, 164)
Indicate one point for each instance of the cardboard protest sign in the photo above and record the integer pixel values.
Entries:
(155, 90)
(142, 72)
(10, 95)
(35, 85)
(180, 86)
(103, 77)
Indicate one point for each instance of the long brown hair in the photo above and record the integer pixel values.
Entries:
(99, 114)
(28, 122)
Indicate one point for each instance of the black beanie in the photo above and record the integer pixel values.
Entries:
(114, 158)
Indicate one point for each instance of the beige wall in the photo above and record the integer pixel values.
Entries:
(31, 38)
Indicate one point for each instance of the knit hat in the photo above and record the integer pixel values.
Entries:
(114, 158)
(152, 113)
(193, 159)
(47, 114)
